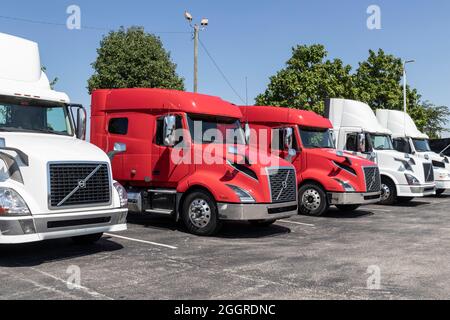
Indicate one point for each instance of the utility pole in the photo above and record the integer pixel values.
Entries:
(196, 29)
(405, 102)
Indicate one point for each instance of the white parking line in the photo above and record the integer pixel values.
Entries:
(382, 210)
(141, 241)
(299, 223)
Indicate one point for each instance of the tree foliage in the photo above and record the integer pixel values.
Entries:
(309, 78)
(132, 58)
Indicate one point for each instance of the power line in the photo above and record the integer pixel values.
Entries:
(56, 24)
(221, 72)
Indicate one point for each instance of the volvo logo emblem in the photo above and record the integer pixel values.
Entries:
(284, 184)
(82, 184)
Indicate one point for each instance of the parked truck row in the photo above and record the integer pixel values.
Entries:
(195, 158)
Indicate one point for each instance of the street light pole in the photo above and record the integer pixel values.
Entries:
(405, 102)
(404, 84)
(196, 28)
(196, 34)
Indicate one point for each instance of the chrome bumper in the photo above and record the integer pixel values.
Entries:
(442, 184)
(354, 198)
(14, 230)
(246, 212)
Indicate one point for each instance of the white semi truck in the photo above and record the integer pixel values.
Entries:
(408, 139)
(52, 183)
(357, 130)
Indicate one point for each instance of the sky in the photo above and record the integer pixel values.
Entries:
(247, 39)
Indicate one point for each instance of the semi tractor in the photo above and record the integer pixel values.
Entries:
(52, 183)
(408, 139)
(325, 177)
(187, 158)
(356, 129)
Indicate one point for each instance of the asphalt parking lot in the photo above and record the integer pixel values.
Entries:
(298, 258)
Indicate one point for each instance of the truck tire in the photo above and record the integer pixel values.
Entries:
(388, 192)
(348, 207)
(440, 192)
(87, 239)
(200, 214)
(312, 200)
(262, 223)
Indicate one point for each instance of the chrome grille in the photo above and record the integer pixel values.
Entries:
(283, 185)
(428, 171)
(373, 179)
(78, 184)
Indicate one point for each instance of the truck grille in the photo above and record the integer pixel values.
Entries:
(79, 184)
(283, 185)
(428, 171)
(373, 179)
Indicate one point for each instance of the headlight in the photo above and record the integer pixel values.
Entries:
(12, 204)
(411, 179)
(123, 195)
(243, 195)
(346, 185)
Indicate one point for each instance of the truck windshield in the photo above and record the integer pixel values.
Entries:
(210, 129)
(316, 138)
(381, 141)
(39, 118)
(421, 145)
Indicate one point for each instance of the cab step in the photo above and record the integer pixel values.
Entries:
(162, 191)
(160, 211)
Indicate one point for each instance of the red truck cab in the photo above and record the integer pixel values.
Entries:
(186, 156)
(325, 176)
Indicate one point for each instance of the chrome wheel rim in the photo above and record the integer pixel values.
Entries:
(311, 200)
(200, 213)
(385, 192)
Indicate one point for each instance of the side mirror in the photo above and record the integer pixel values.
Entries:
(247, 132)
(288, 138)
(169, 131)
(118, 148)
(361, 142)
(81, 123)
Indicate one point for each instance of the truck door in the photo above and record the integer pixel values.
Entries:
(172, 163)
(117, 131)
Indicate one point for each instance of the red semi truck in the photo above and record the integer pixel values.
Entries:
(186, 156)
(325, 176)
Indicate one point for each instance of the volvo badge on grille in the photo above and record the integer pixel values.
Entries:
(82, 184)
(284, 185)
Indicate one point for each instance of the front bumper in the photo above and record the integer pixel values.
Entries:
(416, 191)
(442, 184)
(349, 198)
(248, 212)
(15, 230)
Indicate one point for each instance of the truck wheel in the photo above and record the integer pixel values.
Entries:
(313, 200)
(388, 192)
(262, 223)
(348, 207)
(440, 192)
(200, 214)
(87, 239)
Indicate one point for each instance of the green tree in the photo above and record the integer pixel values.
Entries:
(54, 81)
(378, 82)
(132, 58)
(308, 80)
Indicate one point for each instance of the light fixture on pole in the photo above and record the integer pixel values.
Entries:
(196, 28)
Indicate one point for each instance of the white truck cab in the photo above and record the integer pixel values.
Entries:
(52, 183)
(357, 130)
(408, 139)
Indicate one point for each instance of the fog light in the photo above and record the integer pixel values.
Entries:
(27, 226)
